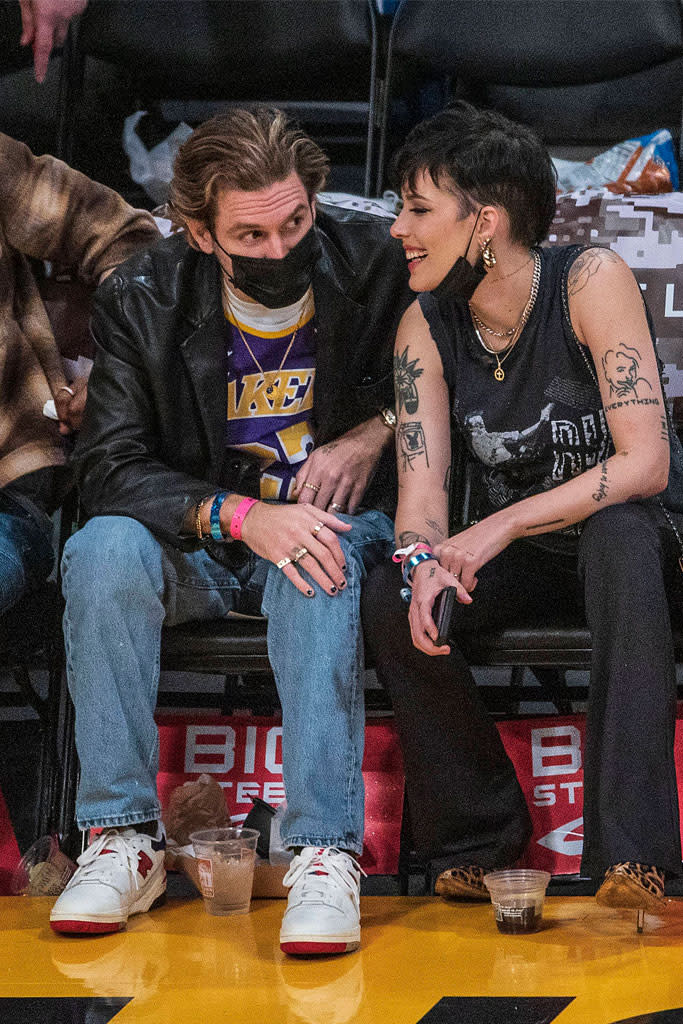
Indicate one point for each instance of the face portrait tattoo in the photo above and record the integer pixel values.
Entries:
(621, 367)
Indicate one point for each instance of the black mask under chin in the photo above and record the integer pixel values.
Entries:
(276, 283)
(462, 279)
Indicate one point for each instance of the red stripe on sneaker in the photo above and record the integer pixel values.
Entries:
(313, 948)
(87, 927)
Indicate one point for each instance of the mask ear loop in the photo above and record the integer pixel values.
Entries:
(474, 228)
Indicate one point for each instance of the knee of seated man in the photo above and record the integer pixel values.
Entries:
(109, 553)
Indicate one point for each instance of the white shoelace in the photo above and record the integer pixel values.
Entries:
(310, 872)
(119, 849)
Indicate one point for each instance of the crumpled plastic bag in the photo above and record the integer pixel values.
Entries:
(195, 806)
(646, 165)
(152, 168)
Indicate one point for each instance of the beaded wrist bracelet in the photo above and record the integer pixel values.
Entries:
(215, 516)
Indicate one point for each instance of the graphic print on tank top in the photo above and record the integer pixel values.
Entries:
(274, 427)
(543, 424)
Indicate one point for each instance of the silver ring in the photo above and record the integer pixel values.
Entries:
(336, 507)
(317, 528)
(283, 562)
(299, 554)
(314, 487)
(458, 575)
(65, 388)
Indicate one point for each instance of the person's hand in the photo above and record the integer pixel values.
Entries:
(70, 405)
(44, 24)
(429, 579)
(465, 553)
(298, 535)
(336, 475)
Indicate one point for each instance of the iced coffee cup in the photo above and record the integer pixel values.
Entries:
(225, 861)
(517, 897)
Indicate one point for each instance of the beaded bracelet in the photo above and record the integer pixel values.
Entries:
(238, 517)
(412, 563)
(215, 516)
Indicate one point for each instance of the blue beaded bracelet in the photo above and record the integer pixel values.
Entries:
(413, 561)
(215, 516)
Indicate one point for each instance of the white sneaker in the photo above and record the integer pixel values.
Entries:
(120, 874)
(323, 908)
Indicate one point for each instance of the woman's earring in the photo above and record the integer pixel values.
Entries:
(488, 255)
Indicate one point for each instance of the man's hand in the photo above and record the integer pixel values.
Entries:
(70, 405)
(280, 532)
(336, 475)
(465, 553)
(429, 579)
(44, 23)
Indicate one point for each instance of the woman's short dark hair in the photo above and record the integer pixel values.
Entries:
(484, 158)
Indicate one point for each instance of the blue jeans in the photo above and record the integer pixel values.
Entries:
(121, 585)
(26, 553)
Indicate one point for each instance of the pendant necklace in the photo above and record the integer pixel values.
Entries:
(512, 333)
(271, 388)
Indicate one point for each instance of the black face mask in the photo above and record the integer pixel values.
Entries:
(276, 283)
(462, 279)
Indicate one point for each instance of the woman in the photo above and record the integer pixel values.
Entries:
(543, 362)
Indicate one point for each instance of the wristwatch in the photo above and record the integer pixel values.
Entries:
(389, 417)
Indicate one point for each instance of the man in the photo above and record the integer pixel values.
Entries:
(283, 314)
(47, 212)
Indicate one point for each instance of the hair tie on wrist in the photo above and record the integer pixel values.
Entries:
(238, 517)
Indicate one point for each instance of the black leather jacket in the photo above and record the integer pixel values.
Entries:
(153, 439)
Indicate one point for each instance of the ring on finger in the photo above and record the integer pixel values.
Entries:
(314, 487)
(337, 508)
(283, 562)
(317, 528)
(298, 554)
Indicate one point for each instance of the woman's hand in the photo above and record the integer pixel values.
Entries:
(281, 532)
(429, 579)
(465, 553)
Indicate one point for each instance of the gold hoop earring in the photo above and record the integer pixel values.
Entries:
(488, 255)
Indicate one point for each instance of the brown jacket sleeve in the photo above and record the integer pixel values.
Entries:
(52, 212)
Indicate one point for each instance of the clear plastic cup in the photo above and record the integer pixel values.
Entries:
(225, 861)
(43, 870)
(517, 896)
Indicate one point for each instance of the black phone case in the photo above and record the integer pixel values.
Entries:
(442, 612)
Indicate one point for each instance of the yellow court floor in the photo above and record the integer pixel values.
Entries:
(421, 960)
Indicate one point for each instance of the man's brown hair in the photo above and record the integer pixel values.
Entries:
(245, 150)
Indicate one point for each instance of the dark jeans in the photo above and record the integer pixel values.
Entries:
(26, 553)
(465, 802)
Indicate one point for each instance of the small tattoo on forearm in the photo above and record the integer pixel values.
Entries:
(664, 435)
(621, 367)
(435, 527)
(432, 571)
(585, 266)
(407, 538)
(602, 486)
(545, 526)
(412, 444)
(406, 373)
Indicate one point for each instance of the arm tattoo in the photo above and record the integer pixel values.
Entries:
(435, 527)
(585, 266)
(407, 538)
(664, 435)
(406, 373)
(621, 366)
(602, 486)
(411, 444)
(432, 571)
(555, 523)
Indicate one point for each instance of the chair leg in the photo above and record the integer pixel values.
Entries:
(554, 683)
(405, 848)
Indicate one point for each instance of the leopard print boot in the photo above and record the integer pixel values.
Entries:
(632, 885)
(464, 883)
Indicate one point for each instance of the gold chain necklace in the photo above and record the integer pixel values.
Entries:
(513, 333)
(271, 389)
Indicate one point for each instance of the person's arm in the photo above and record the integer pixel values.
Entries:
(44, 24)
(423, 452)
(608, 317)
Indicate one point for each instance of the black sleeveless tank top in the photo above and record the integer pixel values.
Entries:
(544, 423)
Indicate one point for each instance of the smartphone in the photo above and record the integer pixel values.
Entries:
(442, 612)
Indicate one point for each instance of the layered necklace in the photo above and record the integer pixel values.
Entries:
(272, 388)
(512, 333)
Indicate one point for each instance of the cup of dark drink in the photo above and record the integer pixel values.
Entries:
(517, 896)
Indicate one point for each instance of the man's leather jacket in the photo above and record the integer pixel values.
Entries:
(153, 439)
